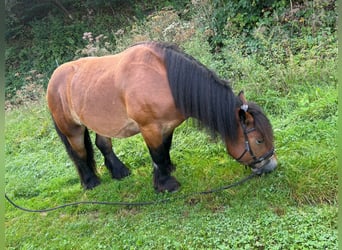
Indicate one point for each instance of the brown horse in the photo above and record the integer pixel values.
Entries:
(151, 88)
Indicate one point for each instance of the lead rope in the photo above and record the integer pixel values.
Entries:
(131, 204)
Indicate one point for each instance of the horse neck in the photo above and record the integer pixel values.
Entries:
(199, 93)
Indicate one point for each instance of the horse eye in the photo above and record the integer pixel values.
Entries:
(259, 141)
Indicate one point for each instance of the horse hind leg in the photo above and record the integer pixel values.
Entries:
(80, 150)
(117, 169)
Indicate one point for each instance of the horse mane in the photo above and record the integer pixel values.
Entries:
(198, 92)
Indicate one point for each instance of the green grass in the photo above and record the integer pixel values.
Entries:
(183, 227)
(293, 207)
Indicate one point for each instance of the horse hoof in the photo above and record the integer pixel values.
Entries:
(169, 184)
(92, 183)
(121, 172)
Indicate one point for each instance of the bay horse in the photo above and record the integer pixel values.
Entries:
(151, 88)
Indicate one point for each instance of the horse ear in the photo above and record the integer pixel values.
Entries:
(242, 115)
(243, 99)
(245, 117)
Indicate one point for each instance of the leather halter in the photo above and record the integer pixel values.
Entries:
(248, 148)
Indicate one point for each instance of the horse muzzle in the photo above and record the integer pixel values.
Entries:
(265, 166)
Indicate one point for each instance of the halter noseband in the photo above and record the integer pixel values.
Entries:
(248, 148)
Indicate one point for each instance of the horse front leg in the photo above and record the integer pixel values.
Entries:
(159, 146)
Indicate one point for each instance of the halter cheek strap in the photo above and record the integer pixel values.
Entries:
(246, 131)
(248, 148)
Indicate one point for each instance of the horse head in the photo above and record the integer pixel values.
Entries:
(254, 146)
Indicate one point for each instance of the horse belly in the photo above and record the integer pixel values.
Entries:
(118, 127)
(128, 129)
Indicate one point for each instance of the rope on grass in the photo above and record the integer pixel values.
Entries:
(131, 204)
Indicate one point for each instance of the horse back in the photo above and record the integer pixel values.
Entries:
(114, 95)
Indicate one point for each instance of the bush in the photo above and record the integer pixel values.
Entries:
(242, 36)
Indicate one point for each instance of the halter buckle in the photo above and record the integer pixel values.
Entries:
(244, 107)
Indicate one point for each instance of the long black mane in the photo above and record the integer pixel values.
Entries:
(198, 92)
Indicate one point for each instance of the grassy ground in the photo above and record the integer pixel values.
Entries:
(292, 77)
(294, 207)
